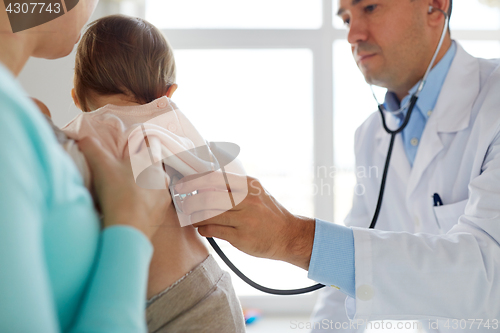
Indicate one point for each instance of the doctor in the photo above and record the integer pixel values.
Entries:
(423, 260)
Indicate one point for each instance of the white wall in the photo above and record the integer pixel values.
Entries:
(51, 81)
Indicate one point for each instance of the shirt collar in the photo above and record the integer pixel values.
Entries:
(432, 88)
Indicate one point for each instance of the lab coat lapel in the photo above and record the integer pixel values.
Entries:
(451, 113)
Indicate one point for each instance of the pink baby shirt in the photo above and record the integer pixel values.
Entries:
(171, 140)
(112, 125)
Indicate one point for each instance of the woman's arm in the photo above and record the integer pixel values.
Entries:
(115, 296)
(115, 300)
(26, 299)
(131, 217)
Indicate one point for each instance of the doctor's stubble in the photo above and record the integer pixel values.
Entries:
(402, 43)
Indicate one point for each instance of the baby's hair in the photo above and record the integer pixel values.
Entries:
(123, 55)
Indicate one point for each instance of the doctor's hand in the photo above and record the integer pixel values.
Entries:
(259, 225)
(120, 199)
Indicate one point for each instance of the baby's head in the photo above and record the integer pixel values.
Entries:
(125, 59)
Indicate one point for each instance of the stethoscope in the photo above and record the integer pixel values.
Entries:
(410, 105)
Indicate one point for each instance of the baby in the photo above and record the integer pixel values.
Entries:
(124, 77)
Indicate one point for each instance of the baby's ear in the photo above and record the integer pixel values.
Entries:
(171, 90)
(75, 100)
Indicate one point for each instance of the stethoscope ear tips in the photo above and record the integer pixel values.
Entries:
(430, 9)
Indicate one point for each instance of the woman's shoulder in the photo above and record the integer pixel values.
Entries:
(28, 147)
(19, 113)
(8, 83)
(18, 118)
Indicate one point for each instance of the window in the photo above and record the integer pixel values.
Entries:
(231, 14)
(260, 99)
(277, 78)
(246, 74)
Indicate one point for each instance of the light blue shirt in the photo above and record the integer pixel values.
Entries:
(425, 104)
(58, 271)
(332, 258)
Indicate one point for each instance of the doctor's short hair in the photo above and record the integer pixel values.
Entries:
(119, 54)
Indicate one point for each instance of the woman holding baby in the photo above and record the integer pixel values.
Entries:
(60, 269)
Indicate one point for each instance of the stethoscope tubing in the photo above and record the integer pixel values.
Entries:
(393, 134)
(256, 285)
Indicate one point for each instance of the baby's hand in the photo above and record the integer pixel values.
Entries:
(42, 107)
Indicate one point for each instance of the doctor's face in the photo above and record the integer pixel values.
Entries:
(388, 39)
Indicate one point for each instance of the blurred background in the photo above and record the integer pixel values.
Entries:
(277, 78)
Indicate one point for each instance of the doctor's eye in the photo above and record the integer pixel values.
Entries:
(370, 8)
(346, 21)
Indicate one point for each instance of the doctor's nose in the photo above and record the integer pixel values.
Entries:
(358, 32)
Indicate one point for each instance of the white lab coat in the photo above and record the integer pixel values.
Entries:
(437, 262)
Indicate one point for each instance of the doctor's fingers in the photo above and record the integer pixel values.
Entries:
(213, 180)
(213, 217)
(218, 231)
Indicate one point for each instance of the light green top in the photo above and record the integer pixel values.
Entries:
(58, 271)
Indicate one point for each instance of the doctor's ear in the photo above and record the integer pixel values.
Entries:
(436, 10)
(435, 6)
(171, 90)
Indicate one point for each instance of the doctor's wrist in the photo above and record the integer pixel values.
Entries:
(300, 241)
